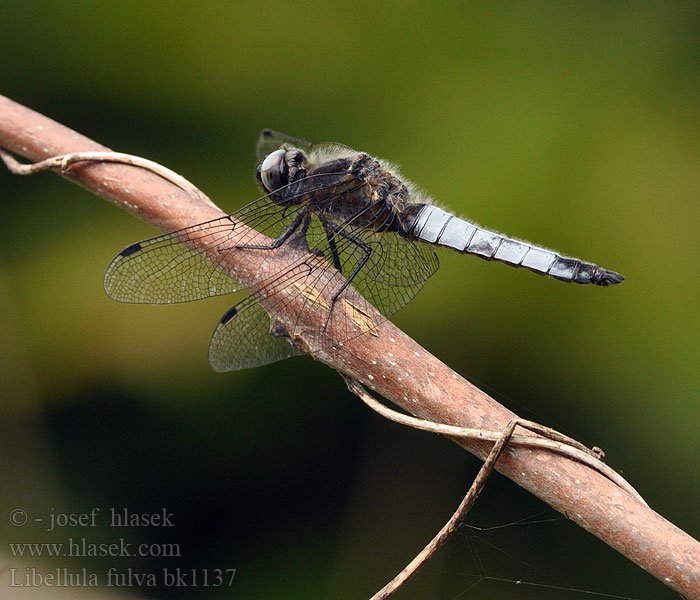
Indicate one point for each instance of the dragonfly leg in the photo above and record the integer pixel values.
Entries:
(331, 229)
(287, 232)
(366, 249)
(330, 236)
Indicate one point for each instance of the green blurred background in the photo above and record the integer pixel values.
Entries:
(575, 125)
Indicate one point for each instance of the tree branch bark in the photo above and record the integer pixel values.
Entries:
(391, 364)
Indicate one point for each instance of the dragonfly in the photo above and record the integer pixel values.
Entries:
(362, 229)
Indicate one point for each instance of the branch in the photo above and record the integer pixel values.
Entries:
(390, 363)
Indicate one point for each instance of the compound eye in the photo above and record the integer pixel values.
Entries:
(273, 170)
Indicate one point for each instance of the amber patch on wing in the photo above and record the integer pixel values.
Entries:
(312, 294)
(361, 319)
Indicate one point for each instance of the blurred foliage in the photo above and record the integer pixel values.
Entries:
(576, 125)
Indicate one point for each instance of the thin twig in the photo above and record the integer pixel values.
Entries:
(451, 526)
(557, 442)
(553, 440)
(62, 162)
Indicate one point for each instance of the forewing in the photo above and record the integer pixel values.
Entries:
(242, 339)
(180, 266)
(173, 268)
(269, 141)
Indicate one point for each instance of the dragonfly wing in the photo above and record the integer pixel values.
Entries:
(242, 339)
(173, 268)
(164, 269)
(269, 141)
(392, 268)
(396, 270)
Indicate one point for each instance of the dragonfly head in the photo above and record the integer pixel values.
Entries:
(280, 168)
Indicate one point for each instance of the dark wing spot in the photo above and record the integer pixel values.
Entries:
(130, 249)
(228, 315)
